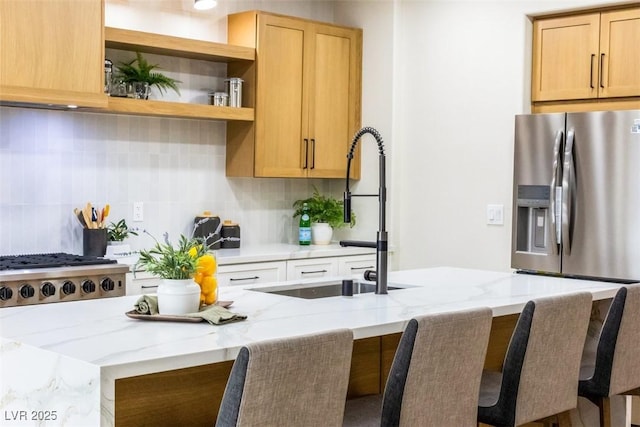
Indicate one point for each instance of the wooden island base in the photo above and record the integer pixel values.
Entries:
(192, 396)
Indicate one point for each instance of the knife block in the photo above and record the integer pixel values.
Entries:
(94, 241)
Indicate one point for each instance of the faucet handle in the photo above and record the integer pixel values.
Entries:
(358, 244)
(370, 275)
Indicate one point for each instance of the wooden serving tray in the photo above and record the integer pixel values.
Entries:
(172, 318)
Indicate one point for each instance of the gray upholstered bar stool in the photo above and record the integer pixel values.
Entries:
(300, 381)
(539, 377)
(435, 375)
(614, 368)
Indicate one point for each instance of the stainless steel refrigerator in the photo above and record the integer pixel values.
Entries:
(576, 195)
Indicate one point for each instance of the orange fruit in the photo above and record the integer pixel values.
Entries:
(211, 298)
(206, 264)
(198, 277)
(209, 284)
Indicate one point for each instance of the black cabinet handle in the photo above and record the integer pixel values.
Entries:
(601, 70)
(313, 272)
(362, 268)
(243, 278)
(313, 153)
(306, 153)
(593, 56)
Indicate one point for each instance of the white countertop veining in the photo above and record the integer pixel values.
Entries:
(97, 335)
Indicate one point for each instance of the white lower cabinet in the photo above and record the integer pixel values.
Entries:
(268, 272)
(357, 264)
(142, 282)
(313, 268)
(253, 273)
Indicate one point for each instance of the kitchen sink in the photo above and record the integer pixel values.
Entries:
(321, 290)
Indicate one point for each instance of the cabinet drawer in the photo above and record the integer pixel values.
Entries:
(351, 265)
(312, 268)
(245, 274)
(142, 283)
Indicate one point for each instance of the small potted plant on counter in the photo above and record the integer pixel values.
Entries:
(326, 213)
(188, 270)
(139, 73)
(117, 232)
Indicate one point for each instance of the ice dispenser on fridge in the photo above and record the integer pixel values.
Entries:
(532, 218)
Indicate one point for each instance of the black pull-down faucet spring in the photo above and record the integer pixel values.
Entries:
(381, 241)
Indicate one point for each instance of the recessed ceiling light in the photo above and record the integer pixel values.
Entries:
(204, 4)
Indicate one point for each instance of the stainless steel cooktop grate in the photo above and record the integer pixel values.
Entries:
(28, 261)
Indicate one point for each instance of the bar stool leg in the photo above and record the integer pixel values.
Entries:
(564, 419)
(604, 407)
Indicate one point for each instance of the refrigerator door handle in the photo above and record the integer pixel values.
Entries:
(568, 184)
(556, 190)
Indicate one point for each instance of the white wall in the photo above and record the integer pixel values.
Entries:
(464, 72)
(378, 85)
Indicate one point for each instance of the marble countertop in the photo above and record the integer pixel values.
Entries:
(96, 336)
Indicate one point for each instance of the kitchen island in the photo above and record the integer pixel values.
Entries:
(64, 362)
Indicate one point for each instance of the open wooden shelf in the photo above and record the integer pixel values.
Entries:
(183, 110)
(116, 38)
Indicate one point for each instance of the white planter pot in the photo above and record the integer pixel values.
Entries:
(178, 296)
(321, 233)
(117, 250)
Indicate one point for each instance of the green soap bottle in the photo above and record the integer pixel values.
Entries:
(304, 231)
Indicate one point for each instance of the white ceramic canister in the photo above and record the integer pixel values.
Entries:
(177, 297)
(234, 89)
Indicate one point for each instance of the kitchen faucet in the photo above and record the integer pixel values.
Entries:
(381, 244)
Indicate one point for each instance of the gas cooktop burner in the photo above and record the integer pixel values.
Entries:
(21, 262)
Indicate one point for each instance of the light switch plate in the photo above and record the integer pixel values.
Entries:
(495, 214)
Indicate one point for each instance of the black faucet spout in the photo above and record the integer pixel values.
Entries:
(347, 207)
(382, 237)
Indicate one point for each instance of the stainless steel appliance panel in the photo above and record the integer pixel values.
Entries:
(538, 141)
(601, 199)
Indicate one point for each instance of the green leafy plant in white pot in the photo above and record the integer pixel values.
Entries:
(117, 232)
(326, 213)
(140, 73)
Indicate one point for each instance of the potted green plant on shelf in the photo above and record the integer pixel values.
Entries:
(326, 213)
(139, 72)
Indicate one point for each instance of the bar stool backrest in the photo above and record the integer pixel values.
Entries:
(435, 375)
(548, 383)
(300, 381)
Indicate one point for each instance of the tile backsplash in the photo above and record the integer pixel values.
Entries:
(54, 161)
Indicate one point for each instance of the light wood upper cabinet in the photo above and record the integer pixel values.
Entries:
(586, 56)
(52, 52)
(619, 52)
(308, 92)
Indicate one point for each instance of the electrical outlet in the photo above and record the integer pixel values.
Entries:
(495, 214)
(138, 211)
